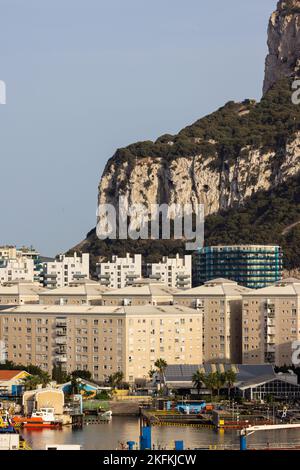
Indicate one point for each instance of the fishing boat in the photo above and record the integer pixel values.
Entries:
(44, 418)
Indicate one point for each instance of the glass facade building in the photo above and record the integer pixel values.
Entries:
(253, 266)
(276, 388)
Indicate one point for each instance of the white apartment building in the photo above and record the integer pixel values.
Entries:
(173, 272)
(8, 252)
(18, 259)
(65, 269)
(120, 272)
(18, 269)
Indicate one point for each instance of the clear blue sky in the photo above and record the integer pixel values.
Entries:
(85, 77)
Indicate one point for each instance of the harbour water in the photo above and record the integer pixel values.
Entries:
(108, 436)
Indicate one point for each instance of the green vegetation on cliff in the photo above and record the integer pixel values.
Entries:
(224, 133)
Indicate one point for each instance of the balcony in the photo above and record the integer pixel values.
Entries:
(271, 330)
(79, 276)
(103, 276)
(61, 359)
(271, 313)
(50, 283)
(61, 340)
(155, 276)
(61, 331)
(183, 283)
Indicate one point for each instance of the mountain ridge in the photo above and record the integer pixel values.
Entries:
(242, 153)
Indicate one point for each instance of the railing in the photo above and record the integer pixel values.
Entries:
(61, 359)
(61, 340)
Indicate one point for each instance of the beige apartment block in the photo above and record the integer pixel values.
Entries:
(271, 323)
(220, 302)
(142, 292)
(102, 339)
(20, 292)
(82, 292)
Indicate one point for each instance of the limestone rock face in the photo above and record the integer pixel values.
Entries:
(195, 180)
(283, 59)
(211, 177)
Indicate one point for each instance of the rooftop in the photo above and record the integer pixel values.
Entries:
(245, 373)
(289, 286)
(9, 374)
(63, 310)
(214, 287)
(142, 288)
(21, 288)
(84, 287)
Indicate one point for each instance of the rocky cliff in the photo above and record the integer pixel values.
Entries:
(283, 59)
(209, 177)
(225, 158)
(238, 161)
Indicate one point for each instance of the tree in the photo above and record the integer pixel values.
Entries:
(59, 375)
(230, 379)
(75, 385)
(31, 382)
(82, 374)
(220, 380)
(32, 369)
(161, 366)
(44, 378)
(8, 365)
(198, 380)
(210, 383)
(151, 373)
(115, 379)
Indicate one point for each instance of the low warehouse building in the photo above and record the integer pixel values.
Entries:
(34, 400)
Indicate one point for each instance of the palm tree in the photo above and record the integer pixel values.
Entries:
(75, 385)
(210, 383)
(230, 379)
(31, 382)
(198, 380)
(45, 379)
(161, 366)
(220, 381)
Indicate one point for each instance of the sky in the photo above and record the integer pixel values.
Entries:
(85, 77)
